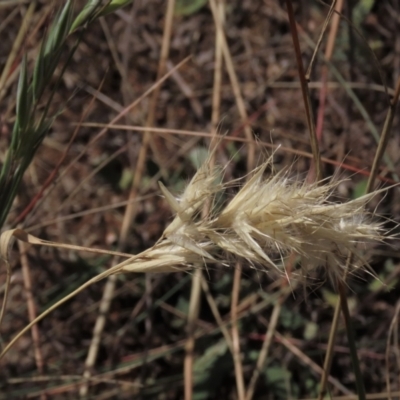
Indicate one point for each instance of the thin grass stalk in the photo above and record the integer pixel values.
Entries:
(194, 310)
(336, 6)
(350, 92)
(218, 21)
(164, 53)
(19, 40)
(305, 92)
(230, 138)
(331, 343)
(368, 47)
(7, 285)
(240, 104)
(216, 313)
(52, 308)
(114, 53)
(95, 210)
(110, 125)
(304, 359)
(217, 84)
(193, 314)
(321, 36)
(237, 356)
(315, 149)
(342, 289)
(370, 184)
(342, 292)
(33, 203)
(393, 330)
(131, 209)
(329, 352)
(285, 290)
(198, 278)
(273, 322)
(105, 304)
(31, 307)
(108, 294)
(385, 136)
(352, 341)
(215, 117)
(93, 173)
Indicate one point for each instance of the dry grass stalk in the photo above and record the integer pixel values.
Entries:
(131, 208)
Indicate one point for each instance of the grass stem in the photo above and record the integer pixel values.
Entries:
(351, 339)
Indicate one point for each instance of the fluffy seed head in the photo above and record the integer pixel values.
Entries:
(268, 219)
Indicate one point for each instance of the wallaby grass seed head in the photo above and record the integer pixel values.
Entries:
(268, 219)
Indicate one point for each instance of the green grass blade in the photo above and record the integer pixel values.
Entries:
(113, 6)
(23, 104)
(86, 14)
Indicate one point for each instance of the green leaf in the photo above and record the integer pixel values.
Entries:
(56, 40)
(15, 137)
(60, 29)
